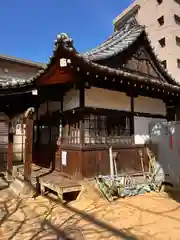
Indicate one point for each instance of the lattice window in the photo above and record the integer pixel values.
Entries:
(71, 131)
(95, 129)
(106, 129)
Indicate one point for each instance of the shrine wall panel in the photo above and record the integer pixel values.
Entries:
(107, 99)
(89, 164)
(149, 105)
(71, 100)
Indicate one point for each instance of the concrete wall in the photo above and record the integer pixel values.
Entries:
(141, 128)
(167, 137)
(148, 14)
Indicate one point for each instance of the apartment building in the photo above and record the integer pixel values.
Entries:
(162, 20)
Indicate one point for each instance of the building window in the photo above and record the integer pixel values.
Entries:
(106, 129)
(162, 42)
(178, 63)
(177, 19)
(159, 1)
(164, 63)
(71, 130)
(177, 41)
(177, 1)
(161, 21)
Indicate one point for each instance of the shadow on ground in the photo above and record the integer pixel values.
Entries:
(18, 221)
(36, 219)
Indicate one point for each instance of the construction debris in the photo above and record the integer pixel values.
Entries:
(113, 188)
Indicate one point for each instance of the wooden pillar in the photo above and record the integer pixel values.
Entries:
(132, 114)
(82, 131)
(81, 104)
(28, 148)
(10, 152)
(58, 165)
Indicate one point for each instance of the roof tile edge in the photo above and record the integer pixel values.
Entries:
(132, 9)
(22, 61)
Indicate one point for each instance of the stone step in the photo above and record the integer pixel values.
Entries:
(3, 182)
(22, 188)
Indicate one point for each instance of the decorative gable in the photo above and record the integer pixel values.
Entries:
(141, 63)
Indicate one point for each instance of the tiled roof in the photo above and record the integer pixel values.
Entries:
(7, 81)
(117, 43)
(38, 65)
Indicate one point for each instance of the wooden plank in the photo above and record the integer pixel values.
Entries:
(58, 183)
(28, 149)
(60, 190)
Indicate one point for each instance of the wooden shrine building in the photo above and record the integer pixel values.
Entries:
(85, 103)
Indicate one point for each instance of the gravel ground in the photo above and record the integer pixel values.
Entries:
(150, 216)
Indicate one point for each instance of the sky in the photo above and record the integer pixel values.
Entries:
(29, 27)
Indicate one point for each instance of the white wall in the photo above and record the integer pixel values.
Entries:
(71, 100)
(142, 128)
(19, 143)
(149, 105)
(141, 124)
(103, 98)
(108, 99)
(168, 158)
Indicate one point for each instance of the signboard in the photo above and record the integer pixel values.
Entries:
(64, 158)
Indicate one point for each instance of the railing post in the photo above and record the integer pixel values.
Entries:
(28, 144)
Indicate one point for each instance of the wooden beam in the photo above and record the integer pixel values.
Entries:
(81, 105)
(28, 149)
(132, 114)
(81, 96)
(82, 131)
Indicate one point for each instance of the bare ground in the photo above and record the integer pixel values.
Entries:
(150, 216)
